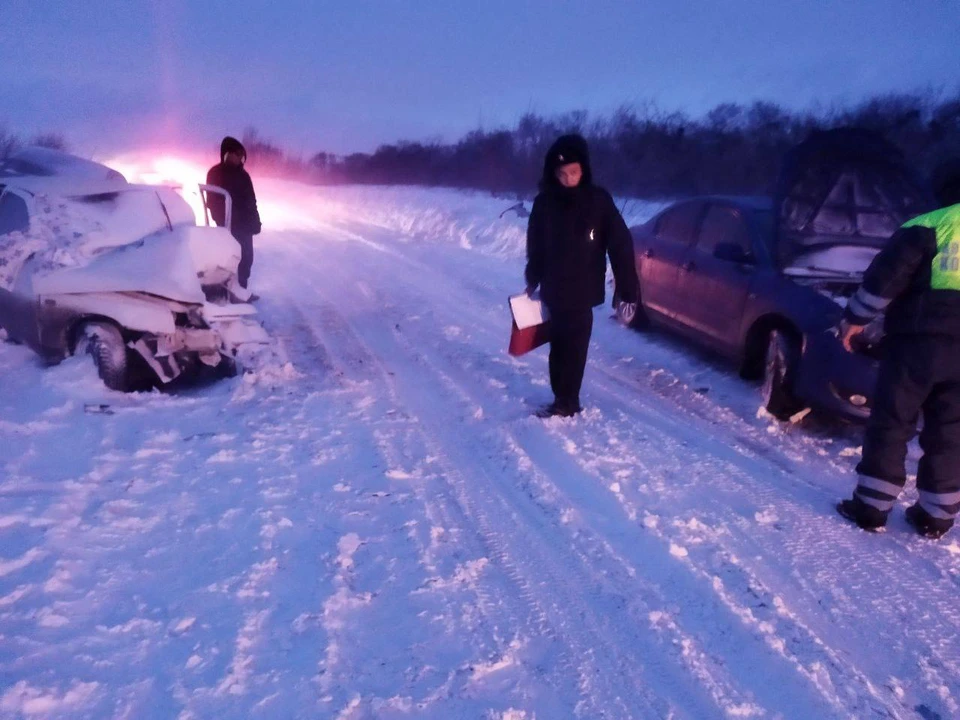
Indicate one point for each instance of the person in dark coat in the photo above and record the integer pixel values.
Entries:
(915, 280)
(574, 225)
(230, 175)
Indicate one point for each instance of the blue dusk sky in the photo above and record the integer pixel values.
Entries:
(348, 76)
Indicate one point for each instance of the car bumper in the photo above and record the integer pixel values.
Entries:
(834, 380)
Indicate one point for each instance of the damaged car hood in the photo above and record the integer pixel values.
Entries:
(161, 264)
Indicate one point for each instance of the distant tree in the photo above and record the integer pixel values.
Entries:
(9, 143)
(50, 140)
(725, 118)
(321, 161)
(262, 153)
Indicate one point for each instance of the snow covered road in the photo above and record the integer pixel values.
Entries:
(385, 532)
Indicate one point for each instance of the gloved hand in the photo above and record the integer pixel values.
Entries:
(848, 333)
(626, 311)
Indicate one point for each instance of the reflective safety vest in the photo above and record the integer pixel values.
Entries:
(945, 270)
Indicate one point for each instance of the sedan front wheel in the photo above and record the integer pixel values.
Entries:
(104, 343)
(779, 376)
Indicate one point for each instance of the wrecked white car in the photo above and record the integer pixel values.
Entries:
(91, 263)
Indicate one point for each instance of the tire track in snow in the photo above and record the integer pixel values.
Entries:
(866, 682)
(553, 614)
(815, 534)
(724, 692)
(560, 581)
(502, 617)
(483, 331)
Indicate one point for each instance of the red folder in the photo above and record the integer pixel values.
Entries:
(533, 334)
(523, 341)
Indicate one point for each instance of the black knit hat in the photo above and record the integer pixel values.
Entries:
(567, 149)
(231, 144)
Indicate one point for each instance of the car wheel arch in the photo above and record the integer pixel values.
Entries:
(74, 331)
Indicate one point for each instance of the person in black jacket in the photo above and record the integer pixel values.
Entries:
(230, 175)
(573, 226)
(915, 280)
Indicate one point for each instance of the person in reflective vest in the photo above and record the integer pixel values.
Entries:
(915, 282)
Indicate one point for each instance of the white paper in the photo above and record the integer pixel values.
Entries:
(528, 311)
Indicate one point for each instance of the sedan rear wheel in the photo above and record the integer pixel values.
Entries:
(779, 376)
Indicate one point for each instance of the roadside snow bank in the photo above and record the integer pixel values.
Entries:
(473, 220)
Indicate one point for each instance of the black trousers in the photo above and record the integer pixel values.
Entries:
(917, 373)
(246, 257)
(569, 342)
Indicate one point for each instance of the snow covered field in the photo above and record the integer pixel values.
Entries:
(381, 530)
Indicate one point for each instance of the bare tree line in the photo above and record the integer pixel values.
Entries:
(637, 151)
(641, 152)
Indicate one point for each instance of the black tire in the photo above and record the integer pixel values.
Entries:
(104, 343)
(779, 375)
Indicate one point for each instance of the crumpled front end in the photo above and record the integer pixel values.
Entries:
(155, 292)
(170, 337)
(214, 335)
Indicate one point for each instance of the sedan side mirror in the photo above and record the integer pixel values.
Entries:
(732, 252)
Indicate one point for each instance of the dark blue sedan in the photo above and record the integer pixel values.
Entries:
(709, 269)
(764, 280)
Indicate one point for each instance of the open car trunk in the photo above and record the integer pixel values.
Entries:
(841, 194)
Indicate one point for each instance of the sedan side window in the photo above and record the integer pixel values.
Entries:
(14, 216)
(679, 224)
(726, 228)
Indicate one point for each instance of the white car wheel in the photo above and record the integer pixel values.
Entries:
(104, 343)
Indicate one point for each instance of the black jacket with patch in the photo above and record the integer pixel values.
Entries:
(570, 234)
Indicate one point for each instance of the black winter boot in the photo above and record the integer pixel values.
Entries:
(925, 524)
(558, 409)
(866, 517)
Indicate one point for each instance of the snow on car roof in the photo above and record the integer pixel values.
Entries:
(43, 162)
(37, 169)
(69, 225)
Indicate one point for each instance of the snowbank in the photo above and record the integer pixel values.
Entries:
(472, 220)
